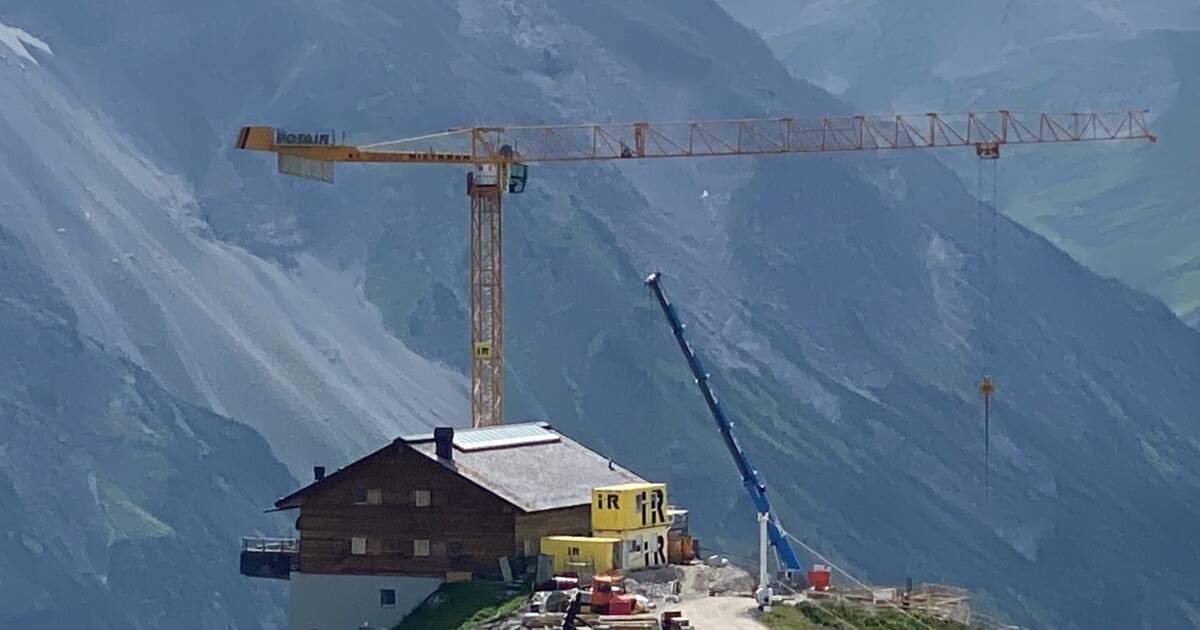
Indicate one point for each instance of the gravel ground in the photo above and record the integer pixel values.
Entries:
(688, 581)
(720, 613)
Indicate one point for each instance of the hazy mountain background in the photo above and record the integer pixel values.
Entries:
(1127, 212)
(270, 322)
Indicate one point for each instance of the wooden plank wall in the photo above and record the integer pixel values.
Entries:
(574, 521)
(468, 528)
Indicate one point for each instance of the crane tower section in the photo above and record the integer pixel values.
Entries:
(486, 296)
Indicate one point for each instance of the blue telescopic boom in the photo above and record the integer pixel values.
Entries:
(750, 479)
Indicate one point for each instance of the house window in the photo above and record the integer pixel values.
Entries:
(387, 597)
(421, 548)
(422, 498)
(358, 545)
(365, 496)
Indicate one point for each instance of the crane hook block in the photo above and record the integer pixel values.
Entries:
(987, 150)
(986, 387)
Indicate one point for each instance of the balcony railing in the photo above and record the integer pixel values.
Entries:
(271, 545)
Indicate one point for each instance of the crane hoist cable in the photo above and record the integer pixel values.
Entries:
(987, 237)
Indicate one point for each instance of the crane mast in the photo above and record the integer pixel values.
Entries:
(487, 297)
(497, 155)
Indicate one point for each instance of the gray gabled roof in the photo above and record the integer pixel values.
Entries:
(533, 469)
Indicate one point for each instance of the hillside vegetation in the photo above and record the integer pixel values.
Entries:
(464, 606)
(808, 616)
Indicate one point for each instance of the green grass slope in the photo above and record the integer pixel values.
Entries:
(463, 606)
(808, 616)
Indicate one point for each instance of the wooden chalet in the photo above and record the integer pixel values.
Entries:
(448, 503)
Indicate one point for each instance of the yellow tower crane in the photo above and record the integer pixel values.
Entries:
(497, 157)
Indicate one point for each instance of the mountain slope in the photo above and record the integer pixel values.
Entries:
(1139, 224)
(122, 503)
(1123, 211)
(256, 340)
(125, 322)
(839, 301)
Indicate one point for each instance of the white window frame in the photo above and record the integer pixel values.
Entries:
(421, 548)
(374, 496)
(422, 498)
(358, 546)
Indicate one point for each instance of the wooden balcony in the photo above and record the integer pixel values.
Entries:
(272, 558)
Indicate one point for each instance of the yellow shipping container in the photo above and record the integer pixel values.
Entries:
(629, 506)
(582, 554)
(641, 548)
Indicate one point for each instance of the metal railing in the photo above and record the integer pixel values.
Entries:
(270, 545)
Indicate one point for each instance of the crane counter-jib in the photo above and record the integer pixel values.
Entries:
(322, 148)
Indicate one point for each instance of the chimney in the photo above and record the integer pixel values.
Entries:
(443, 437)
(318, 473)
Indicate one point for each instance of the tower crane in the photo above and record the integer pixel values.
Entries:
(497, 158)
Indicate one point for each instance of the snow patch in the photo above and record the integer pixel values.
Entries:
(17, 39)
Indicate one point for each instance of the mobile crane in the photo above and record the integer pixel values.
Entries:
(750, 478)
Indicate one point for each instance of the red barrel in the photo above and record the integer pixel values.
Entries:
(818, 577)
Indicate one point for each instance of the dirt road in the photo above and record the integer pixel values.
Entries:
(720, 613)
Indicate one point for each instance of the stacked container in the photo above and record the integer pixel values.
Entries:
(582, 555)
(637, 515)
